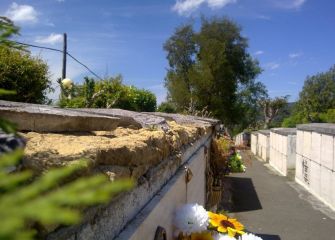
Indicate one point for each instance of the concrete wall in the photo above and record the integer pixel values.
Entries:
(263, 149)
(315, 160)
(282, 149)
(160, 211)
(242, 139)
(254, 142)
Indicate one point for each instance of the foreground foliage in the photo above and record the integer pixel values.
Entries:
(50, 199)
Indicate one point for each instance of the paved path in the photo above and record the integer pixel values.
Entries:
(276, 208)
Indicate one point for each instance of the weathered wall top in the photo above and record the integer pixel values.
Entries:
(116, 141)
(284, 131)
(264, 132)
(326, 128)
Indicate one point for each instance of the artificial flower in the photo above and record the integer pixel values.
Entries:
(225, 224)
(67, 83)
(223, 237)
(202, 236)
(249, 236)
(191, 218)
(238, 156)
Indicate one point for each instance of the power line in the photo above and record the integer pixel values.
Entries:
(57, 50)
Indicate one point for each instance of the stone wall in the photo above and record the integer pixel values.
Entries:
(254, 143)
(151, 148)
(282, 149)
(263, 146)
(315, 160)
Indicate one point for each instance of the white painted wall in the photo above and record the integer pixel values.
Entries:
(254, 142)
(282, 149)
(263, 149)
(315, 165)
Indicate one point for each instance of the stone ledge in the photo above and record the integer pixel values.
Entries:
(284, 131)
(325, 128)
(42, 118)
(128, 118)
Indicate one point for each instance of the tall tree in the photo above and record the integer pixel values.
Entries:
(318, 94)
(271, 108)
(181, 50)
(249, 97)
(210, 68)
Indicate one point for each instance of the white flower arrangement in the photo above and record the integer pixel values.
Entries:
(194, 222)
(249, 236)
(223, 237)
(191, 218)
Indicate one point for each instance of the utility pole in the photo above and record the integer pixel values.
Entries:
(64, 56)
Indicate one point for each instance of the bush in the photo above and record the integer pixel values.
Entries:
(25, 74)
(110, 93)
(328, 117)
(167, 107)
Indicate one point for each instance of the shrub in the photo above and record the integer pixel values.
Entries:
(25, 74)
(167, 107)
(110, 93)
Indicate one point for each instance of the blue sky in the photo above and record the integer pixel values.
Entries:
(290, 38)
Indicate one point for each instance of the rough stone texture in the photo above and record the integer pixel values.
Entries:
(42, 118)
(106, 222)
(142, 147)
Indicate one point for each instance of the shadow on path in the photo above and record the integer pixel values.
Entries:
(268, 237)
(245, 197)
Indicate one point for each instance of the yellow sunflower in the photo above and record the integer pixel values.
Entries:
(225, 224)
(201, 236)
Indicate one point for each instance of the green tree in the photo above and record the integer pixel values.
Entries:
(316, 100)
(271, 108)
(25, 74)
(249, 96)
(181, 50)
(207, 68)
(317, 95)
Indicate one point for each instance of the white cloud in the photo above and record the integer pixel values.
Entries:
(290, 4)
(260, 52)
(294, 55)
(22, 13)
(272, 65)
(263, 17)
(185, 7)
(51, 39)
